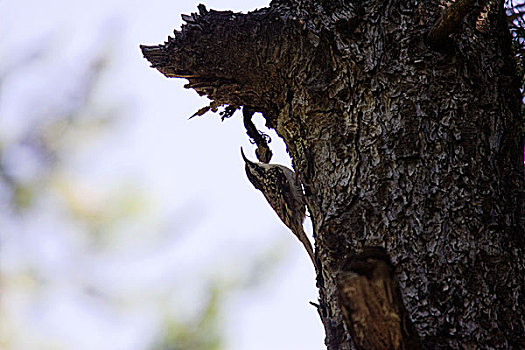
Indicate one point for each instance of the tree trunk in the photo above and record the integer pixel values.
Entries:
(403, 140)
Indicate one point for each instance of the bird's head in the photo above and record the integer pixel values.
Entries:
(256, 172)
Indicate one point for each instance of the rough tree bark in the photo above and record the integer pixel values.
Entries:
(404, 140)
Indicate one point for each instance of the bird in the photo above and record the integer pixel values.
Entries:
(282, 190)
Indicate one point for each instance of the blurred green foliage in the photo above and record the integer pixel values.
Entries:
(204, 332)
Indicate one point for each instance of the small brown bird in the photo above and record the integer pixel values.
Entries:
(283, 191)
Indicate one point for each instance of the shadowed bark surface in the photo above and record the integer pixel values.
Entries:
(398, 145)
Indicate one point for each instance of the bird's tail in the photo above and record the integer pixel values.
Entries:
(307, 245)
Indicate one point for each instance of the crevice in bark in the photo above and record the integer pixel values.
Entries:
(372, 306)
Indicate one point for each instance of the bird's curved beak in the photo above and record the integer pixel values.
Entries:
(246, 160)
